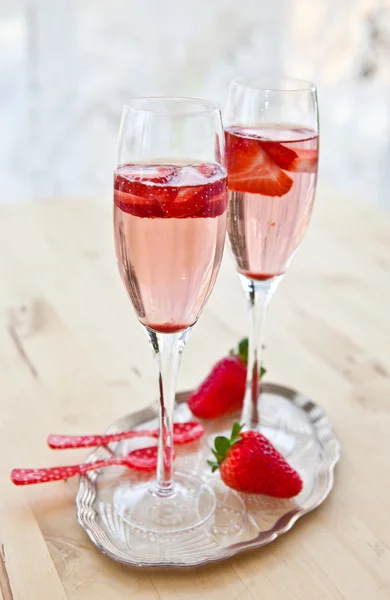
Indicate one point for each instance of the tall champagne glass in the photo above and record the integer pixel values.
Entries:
(272, 137)
(170, 202)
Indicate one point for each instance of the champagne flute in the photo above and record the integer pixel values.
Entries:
(272, 137)
(170, 200)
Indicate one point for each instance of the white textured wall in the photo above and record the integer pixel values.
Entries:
(67, 66)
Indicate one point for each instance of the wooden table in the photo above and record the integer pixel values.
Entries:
(73, 358)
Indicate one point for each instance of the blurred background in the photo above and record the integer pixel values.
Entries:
(67, 66)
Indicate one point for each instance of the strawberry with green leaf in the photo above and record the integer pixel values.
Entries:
(222, 392)
(248, 462)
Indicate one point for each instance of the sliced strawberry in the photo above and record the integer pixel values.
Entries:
(208, 169)
(280, 154)
(297, 161)
(187, 201)
(207, 200)
(148, 191)
(214, 208)
(306, 162)
(138, 206)
(251, 169)
(157, 174)
(138, 189)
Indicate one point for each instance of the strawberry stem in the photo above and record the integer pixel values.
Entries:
(242, 352)
(223, 444)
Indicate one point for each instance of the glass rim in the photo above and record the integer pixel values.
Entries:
(145, 104)
(275, 83)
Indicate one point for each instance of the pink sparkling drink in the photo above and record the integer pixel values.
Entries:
(170, 223)
(272, 171)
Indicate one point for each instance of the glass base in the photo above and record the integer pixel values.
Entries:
(190, 505)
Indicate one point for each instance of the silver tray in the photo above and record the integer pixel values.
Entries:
(297, 427)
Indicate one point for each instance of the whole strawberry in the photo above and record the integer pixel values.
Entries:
(249, 463)
(222, 392)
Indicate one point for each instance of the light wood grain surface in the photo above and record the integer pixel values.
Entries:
(73, 358)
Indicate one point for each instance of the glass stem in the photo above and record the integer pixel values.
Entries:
(258, 294)
(167, 348)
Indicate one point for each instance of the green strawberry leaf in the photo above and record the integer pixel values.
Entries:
(236, 429)
(217, 455)
(214, 466)
(235, 435)
(243, 346)
(242, 352)
(222, 445)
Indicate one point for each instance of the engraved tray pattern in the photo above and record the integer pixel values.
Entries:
(298, 428)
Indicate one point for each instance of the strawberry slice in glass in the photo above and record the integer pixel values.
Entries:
(160, 209)
(299, 160)
(252, 170)
(137, 188)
